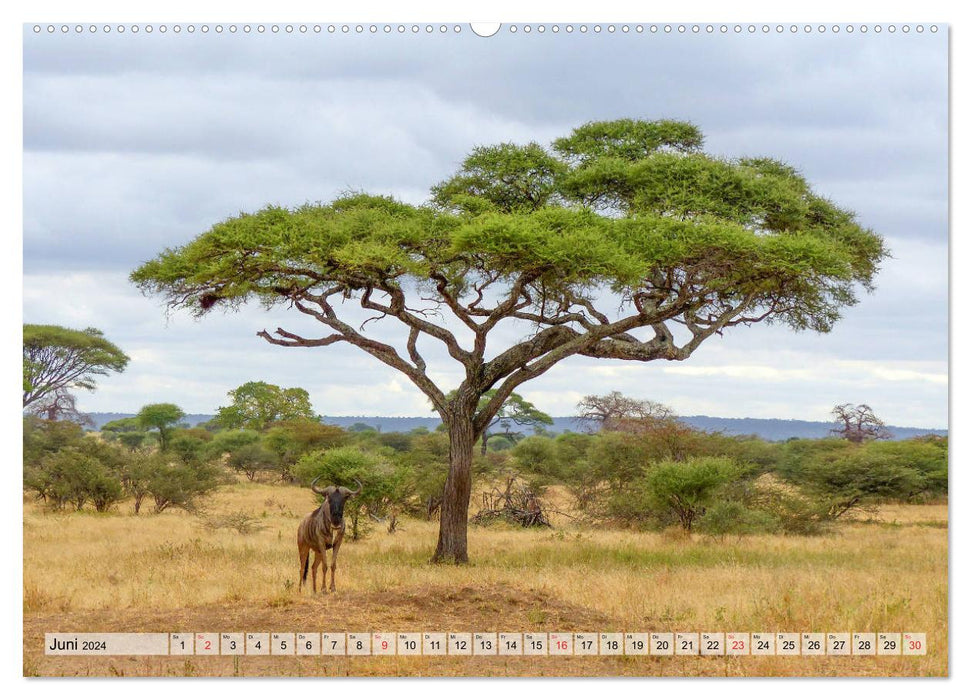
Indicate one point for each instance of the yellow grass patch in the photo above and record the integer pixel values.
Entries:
(167, 572)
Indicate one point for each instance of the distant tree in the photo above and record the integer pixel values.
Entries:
(858, 424)
(133, 441)
(128, 431)
(60, 404)
(291, 439)
(362, 428)
(255, 405)
(611, 411)
(515, 411)
(600, 246)
(163, 417)
(116, 427)
(61, 358)
(138, 475)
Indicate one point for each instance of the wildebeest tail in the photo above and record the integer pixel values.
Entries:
(306, 567)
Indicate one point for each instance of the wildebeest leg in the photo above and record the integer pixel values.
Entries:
(323, 558)
(333, 561)
(318, 558)
(303, 553)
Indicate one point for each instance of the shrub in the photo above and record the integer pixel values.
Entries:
(385, 488)
(240, 521)
(253, 458)
(137, 475)
(70, 476)
(43, 437)
(686, 488)
(180, 485)
(228, 441)
(860, 477)
(735, 518)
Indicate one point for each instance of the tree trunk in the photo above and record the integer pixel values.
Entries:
(453, 531)
(485, 442)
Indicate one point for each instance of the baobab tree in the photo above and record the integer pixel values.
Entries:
(612, 411)
(623, 241)
(858, 424)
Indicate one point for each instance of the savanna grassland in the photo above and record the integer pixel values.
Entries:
(166, 572)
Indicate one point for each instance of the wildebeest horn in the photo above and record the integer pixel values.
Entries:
(322, 492)
(359, 487)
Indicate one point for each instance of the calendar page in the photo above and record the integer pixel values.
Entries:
(515, 349)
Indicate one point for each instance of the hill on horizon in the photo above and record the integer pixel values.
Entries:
(772, 429)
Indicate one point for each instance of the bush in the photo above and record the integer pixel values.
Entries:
(242, 522)
(925, 455)
(137, 475)
(385, 488)
(291, 439)
(860, 477)
(735, 518)
(43, 437)
(687, 488)
(69, 476)
(228, 441)
(180, 485)
(253, 458)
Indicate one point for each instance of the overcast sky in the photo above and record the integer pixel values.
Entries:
(133, 143)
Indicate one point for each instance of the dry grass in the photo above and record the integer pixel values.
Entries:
(167, 572)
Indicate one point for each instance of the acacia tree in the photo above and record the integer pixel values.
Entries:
(858, 424)
(515, 411)
(59, 359)
(255, 405)
(623, 241)
(162, 417)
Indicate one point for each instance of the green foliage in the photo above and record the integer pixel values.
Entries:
(253, 458)
(687, 488)
(43, 437)
(175, 484)
(75, 475)
(255, 405)
(162, 417)
(506, 177)
(138, 474)
(515, 412)
(291, 439)
(385, 488)
(859, 477)
(187, 447)
(62, 358)
(925, 456)
(427, 462)
(855, 475)
(734, 518)
(133, 441)
(113, 428)
(230, 440)
(747, 228)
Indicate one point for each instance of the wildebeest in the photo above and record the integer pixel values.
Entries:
(322, 530)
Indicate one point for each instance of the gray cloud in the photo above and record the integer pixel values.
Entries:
(137, 142)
